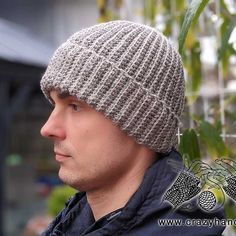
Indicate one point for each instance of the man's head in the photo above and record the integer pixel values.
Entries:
(129, 79)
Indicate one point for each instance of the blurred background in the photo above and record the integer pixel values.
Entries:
(30, 31)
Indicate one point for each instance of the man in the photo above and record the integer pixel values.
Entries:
(118, 94)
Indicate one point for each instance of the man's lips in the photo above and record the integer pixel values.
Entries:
(60, 157)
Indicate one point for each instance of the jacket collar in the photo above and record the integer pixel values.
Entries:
(147, 199)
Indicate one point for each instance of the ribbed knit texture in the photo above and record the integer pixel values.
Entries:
(128, 71)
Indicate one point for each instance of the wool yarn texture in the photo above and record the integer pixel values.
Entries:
(128, 71)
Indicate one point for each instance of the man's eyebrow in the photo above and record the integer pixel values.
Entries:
(64, 95)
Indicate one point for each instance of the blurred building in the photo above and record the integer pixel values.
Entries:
(52, 21)
(30, 31)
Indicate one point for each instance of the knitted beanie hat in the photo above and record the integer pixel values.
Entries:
(129, 72)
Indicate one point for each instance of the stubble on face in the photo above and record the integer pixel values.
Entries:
(98, 169)
(99, 152)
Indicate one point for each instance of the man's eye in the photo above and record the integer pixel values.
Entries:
(74, 106)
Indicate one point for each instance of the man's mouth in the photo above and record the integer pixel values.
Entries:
(60, 157)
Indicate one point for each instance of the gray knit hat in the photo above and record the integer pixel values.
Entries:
(128, 71)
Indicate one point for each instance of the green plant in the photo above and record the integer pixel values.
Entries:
(186, 23)
(206, 133)
(58, 197)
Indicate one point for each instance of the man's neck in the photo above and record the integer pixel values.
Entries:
(116, 195)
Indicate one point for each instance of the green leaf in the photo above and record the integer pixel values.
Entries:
(224, 9)
(166, 4)
(195, 76)
(211, 137)
(168, 27)
(230, 100)
(192, 14)
(58, 197)
(230, 210)
(226, 36)
(231, 116)
(180, 5)
(150, 11)
(218, 124)
(189, 145)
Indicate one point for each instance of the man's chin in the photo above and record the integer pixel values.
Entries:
(68, 179)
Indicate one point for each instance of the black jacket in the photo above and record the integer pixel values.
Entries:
(141, 215)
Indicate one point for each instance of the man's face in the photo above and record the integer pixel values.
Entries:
(91, 150)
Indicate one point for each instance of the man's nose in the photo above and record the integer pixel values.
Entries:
(54, 127)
